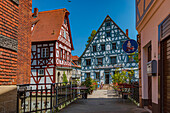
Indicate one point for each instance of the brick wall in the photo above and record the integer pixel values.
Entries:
(24, 42)
(15, 44)
(8, 66)
(8, 41)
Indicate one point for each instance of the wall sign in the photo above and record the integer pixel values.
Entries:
(130, 46)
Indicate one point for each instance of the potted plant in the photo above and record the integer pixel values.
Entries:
(88, 84)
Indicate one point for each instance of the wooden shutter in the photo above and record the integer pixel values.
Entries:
(166, 74)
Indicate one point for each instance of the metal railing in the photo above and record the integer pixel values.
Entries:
(135, 92)
(44, 97)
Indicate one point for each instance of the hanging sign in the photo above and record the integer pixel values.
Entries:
(130, 46)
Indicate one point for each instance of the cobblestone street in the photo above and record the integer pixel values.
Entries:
(103, 101)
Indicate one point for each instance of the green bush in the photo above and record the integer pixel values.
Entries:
(119, 77)
(94, 83)
(64, 78)
(88, 83)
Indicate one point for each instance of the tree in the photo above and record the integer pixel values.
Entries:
(119, 76)
(91, 37)
(134, 56)
(64, 78)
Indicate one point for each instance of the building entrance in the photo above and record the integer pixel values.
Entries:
(107, 78)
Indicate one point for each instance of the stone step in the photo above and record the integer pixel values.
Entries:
(106, 87)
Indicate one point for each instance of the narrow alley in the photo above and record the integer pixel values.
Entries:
(103, 101)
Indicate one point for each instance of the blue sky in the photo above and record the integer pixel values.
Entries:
(87, 15)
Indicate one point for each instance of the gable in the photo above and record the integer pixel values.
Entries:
(48, 25)
(102, 36)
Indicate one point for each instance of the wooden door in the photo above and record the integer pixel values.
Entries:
(150, 80)
(165, 53)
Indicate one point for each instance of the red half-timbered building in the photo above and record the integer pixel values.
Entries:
(51, 47)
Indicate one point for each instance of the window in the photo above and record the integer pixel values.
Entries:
(61, 53)
(88, 75)
(88, 62)
(113, 46)
(103, 47)
(68, 55)
(44, 52)
(65, 21)
(98, 76)
(100, 61)
(94, 48)
(41, 72)
(107, 24)
(108, 34)
(113, 60)
(65, 55)
(149, 53)
(64, 34)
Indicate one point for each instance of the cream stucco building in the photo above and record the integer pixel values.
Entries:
(153, 26)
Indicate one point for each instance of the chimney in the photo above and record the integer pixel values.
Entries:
(127, 32)
(35, 12)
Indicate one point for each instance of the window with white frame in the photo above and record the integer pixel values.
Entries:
(68, 56)
(44, 52)
(61, 53)
(100, 61)
(65, 55)
(40, 72)
(113, 60)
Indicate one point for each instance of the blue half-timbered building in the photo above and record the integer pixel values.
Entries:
(104, 54)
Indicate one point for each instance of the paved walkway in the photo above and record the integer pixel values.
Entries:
(102, 101)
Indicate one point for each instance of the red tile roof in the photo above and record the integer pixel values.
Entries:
(74, 57)
(75, 65)
(48, 25)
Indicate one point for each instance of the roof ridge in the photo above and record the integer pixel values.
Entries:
(64, 9)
